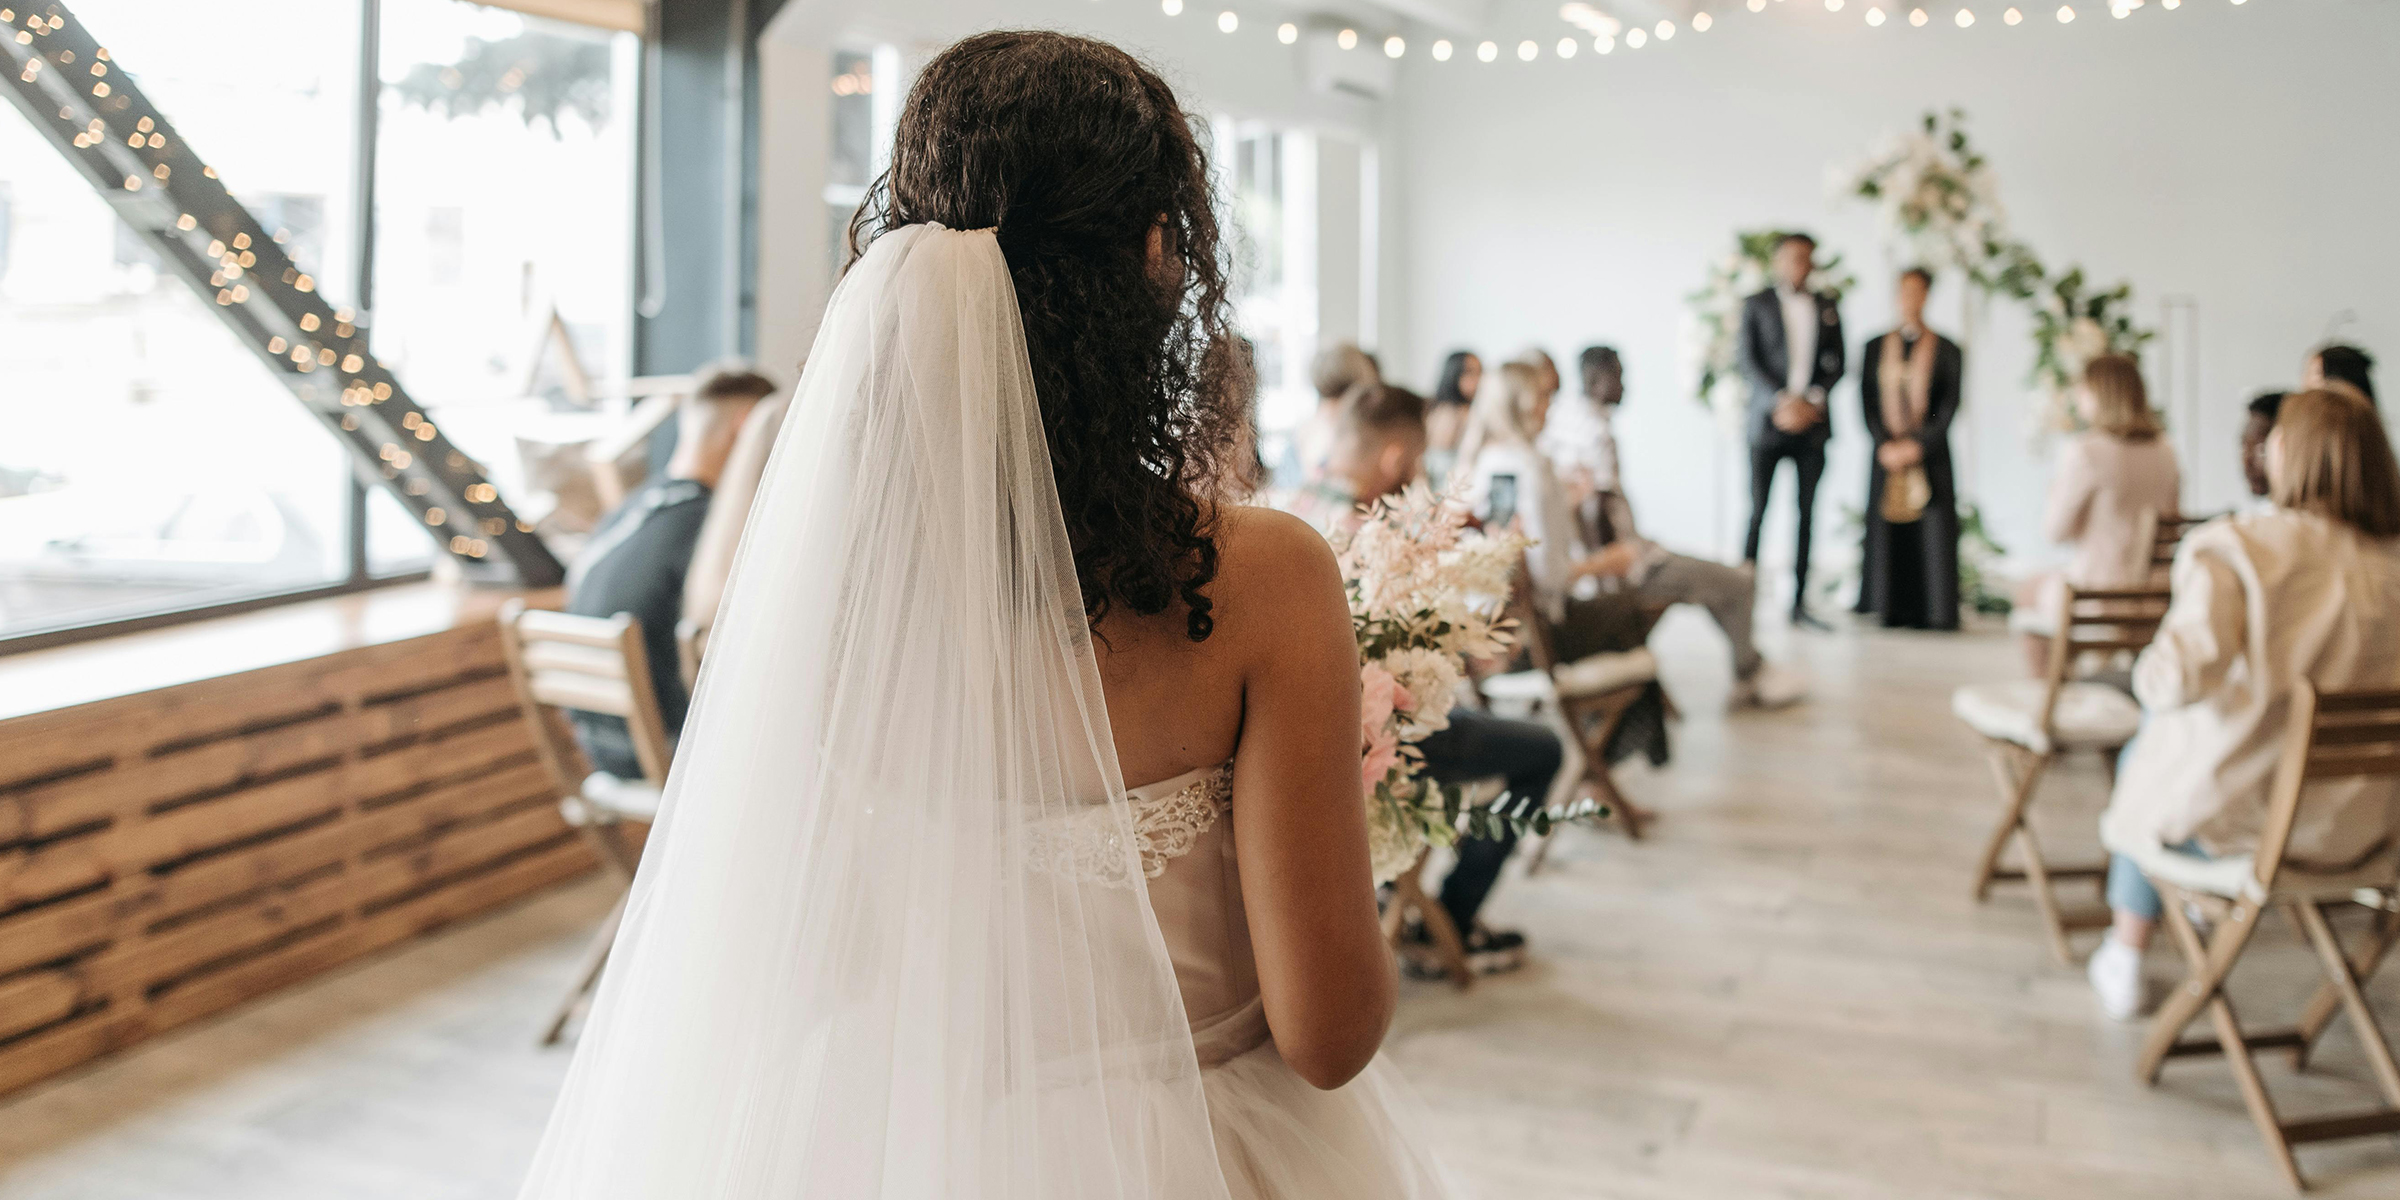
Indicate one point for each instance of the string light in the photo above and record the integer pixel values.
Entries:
(1635, 39)
(2011, 17)
(1227, 22)
(1702, 22)
(1567, 47)
(1603, 44)
(1758, 5)
(1395, 46)
(2066, 13)
(1875, 17)
(1172, 8)
(2170, 5)
(1666, 30)
(1442, 50)
(1347, 39)
(1527, 51)
(1287, 33)
(1833, 5)
(1917, 17)
(1488, 52)
(1965, 18)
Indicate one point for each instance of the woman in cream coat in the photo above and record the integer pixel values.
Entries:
(2307, 591)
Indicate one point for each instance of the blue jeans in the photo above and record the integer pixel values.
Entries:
(2130, 892)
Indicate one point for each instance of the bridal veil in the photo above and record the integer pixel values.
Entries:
(852, 965)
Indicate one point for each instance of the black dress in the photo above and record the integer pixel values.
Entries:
(1908, 574)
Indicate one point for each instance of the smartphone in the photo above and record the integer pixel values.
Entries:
(1503, 507)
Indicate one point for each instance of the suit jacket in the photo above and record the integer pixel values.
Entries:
(1766, 360)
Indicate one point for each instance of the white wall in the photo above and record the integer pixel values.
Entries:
(1245, 75)
(2244, 158)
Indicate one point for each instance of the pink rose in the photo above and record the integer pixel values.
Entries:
(1379, 696)
(1383, 753)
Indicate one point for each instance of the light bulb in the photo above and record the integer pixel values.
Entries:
(2066, 13)
(1603, 44)
(1758, 5)
(1394, 46)
(1227, 22)
(1527, 51)
(1701, 22)
(1567, 47)
(1875, 16)
(1488, 51)
(2011, 17)
(1287, 33)
(1916, 16)
(1347, 39)
(1666, 30)
(1441, 50)
(1833, 5)
(1171, 7)
(1965, 18)
(1635, 39)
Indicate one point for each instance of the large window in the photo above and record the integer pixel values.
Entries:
(150, 464)
(149, 461)
(504, 244)
(867, 88)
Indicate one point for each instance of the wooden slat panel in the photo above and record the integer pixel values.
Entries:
(31, 1001)
(248, 831)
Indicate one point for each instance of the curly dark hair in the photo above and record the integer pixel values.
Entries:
(1077, 152)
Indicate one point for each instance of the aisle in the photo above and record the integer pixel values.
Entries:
(1785, 993)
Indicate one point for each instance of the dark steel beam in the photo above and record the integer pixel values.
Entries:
(71, 90)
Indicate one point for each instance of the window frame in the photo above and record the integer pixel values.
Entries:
(359, 576)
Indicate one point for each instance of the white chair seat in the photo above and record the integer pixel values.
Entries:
(2088, 716)
(1606, 672)
(608, 798)
(2235, 876)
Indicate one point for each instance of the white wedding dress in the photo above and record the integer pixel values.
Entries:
(1278, 1137)
(890, 938)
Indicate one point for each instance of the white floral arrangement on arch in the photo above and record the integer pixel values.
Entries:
(1427, 594)
(1936, 195)
(1712, 330)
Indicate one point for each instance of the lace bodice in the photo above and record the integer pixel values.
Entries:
(1167, 820)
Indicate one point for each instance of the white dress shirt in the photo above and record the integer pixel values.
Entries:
(1799, 339)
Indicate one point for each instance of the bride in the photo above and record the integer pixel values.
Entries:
(902, 931)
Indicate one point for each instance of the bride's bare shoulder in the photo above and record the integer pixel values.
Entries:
(1271, 568)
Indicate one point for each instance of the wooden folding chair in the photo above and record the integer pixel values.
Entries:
(2158, 537)
(1590, 697)
(1447, 941)
(2333, 735)
(2030, 724)
(559, 661)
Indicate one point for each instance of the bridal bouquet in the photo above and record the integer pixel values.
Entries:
(1426, 594)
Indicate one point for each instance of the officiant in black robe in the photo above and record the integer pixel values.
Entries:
(1909, 386)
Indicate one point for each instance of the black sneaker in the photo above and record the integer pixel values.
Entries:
(1495, 951)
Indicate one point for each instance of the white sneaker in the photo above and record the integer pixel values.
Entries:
(1771, 686)
(2115, 970)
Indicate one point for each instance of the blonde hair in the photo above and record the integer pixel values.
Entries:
(2120, 400)
(2334, 460)
(1502, 413)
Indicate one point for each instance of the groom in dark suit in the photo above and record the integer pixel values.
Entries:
(1792, 352)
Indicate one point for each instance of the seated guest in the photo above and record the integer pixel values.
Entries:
(2341, 368)
(1378, 447)
(1509, 482)
(1656, 575)
(1446, 418)
(2106, 478)
(637, 561)
(2255, 429)
(1339, 370)
(2309, 591)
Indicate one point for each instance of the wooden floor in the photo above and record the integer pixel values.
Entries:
(1785, 993)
